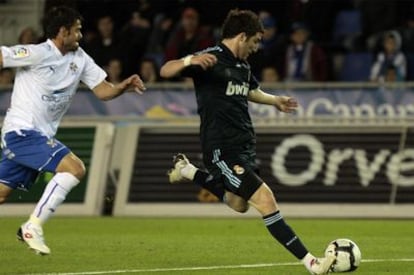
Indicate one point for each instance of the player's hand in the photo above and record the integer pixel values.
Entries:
(204, 60)
(133, 82)
(286, 104)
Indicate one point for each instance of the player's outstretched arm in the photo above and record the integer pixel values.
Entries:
(282, 103)
(173, 67)
(106, 90)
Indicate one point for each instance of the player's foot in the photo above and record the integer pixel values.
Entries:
(32, 235)
(319, 266)
(183, 170)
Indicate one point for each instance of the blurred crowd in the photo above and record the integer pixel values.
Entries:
(304, 40)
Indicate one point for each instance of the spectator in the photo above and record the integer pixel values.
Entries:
(159, 36)
(391, 55)
(270, 52)
(134, 37)
(114, 71)
(304, 60)
(148, 70)
(104, 47)
(377, 17)
(28, 36)
(189, 37)
(319, 16)
(269, 75)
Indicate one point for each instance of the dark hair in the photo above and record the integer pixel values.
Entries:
(58, 17)
(154, 64)
(238, 21)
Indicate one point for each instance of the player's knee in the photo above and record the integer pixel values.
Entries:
(264, 201)
(241, 208)
(73, 165)
(78, 170)
(236, 203)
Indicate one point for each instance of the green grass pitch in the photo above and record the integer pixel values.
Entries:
(83, 246)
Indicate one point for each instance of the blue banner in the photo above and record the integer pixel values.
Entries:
(347, 103)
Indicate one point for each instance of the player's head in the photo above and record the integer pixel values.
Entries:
(64, 23)
(245, 27)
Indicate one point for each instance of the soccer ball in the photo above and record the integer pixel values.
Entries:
(348, 255)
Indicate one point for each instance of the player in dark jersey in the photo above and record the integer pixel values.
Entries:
(224, 84)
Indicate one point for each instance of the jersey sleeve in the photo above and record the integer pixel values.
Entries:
(191, 71)
(92, 74)
(20, 55)
(195, 70)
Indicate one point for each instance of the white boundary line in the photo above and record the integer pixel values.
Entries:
(205, 267)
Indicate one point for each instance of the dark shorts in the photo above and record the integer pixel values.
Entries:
(236, 168)
(25, 154)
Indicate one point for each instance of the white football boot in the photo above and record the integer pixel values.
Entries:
(32, 235)
(319, 266)
(176, 174)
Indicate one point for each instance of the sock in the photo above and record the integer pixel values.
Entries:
(204, 180)
(284, 234)
(189, 171)
(53, 195)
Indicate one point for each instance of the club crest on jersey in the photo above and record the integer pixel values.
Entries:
(20, 52)
(73, 67)
(238, 169)
(237, 89)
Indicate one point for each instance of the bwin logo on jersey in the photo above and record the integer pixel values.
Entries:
(236, 89)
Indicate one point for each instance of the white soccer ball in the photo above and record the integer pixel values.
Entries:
(348, 255)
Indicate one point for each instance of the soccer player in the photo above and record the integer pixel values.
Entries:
(224, 85)
(47, 78)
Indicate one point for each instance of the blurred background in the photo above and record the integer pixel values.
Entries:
(342, 40)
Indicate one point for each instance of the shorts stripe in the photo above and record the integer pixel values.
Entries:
(216, 154)
(225, 170)
(50, 159)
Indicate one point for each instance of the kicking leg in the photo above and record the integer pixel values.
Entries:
(184, 171)
(264, 201)
(236, 202)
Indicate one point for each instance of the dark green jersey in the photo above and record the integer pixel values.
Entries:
(221, 93)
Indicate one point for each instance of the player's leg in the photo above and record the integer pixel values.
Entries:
(68, 173)
(33, 151)
(264, 201)
(13, 175)
(238, 170)
(236, 202)
(7, 174)
(5, 191)
(184, 170)
(16, 176)
(69, 170)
